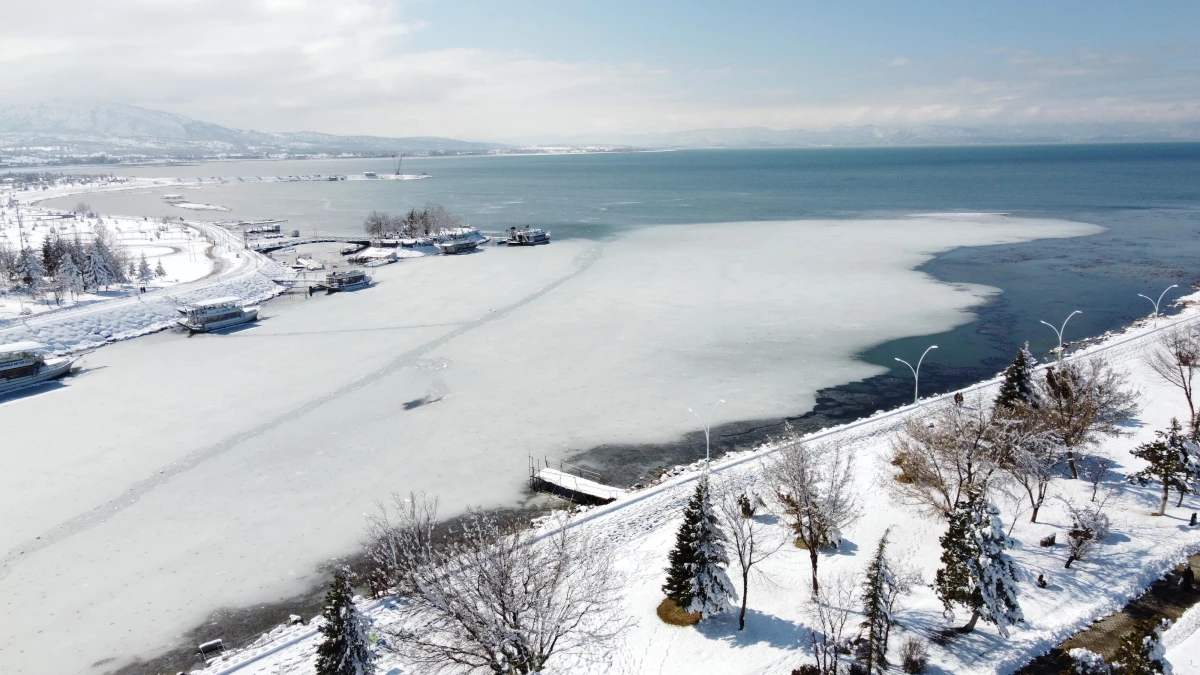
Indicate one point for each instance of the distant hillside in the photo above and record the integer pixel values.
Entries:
(65, 129)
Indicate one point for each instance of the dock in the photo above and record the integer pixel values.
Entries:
(573, 483)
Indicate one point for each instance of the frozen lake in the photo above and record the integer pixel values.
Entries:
(177, 475)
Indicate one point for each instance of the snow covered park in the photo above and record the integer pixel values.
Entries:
(224, 470)
(640, 529)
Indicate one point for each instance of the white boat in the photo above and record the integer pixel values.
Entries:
(526, 237)
(22, 364)
(452, 246)
(370, 174)
(215, 314)
(346, 281)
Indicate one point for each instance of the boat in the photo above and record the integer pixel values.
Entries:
(526, 237)
(23, 364)
(215, 314)
(370, 174)
(346, 281)
(453, 246)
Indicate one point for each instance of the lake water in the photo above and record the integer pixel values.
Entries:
(222, 471)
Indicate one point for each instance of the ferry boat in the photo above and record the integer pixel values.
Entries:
(453, 246)
(22, 364)
(215, 314)
(346, 281)
(527, 237)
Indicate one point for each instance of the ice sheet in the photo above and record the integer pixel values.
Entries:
(180, 475)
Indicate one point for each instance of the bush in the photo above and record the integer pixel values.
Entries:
(671, 613)
(807, 669)
(1049, 541)
(913, 655)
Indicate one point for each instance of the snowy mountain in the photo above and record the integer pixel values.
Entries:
(75, 130)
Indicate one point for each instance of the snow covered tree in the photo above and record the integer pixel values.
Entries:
(97, 271)
(1089, 526)
(943, 457)
(346, 648)
(1142, 652)
(1083, 401)
(1169, 463)
(880, 591)
(829, 611)
(1175, 357)
(494, 597)
(159, 271)
(1088, 662)
(1030, 451)
(750, 538)
(144, 273)
(1018, 386)
(31, 272)
(976, 571)
(696, 577)
(815, 488)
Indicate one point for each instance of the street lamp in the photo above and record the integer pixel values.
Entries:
(707, 424)
(916, 372)
(1160, 297)
(1059, 332)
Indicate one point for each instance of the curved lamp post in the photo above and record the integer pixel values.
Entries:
(1160, 297)
(1059, 332)
(917, 373)
(706, 425)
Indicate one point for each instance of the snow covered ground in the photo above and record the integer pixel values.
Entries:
(223, 470)
(642, 526)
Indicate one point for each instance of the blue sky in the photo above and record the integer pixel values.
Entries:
(526, 70)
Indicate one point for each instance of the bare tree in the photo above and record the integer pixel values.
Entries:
(830, 610)
(1084, 401)
(1089, 525)
(377, 223)
(1094, 472)
(815, 487)
(498, 599)
(942, 457)
(751, 539)
(1030, 452)
(1174, 358)
(401, 538)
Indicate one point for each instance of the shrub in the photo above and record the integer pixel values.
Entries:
(914, 655)
(671, 613)
(807, 669)
(1049, 541)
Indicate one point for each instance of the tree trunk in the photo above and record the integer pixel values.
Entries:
(1071, 464)
(812, 557)
(745, 590)
(1033, 518)
(1162, 504)
(1070, 559)
(970, 624)
(1180, 502)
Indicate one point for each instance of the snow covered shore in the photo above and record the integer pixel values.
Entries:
(641, 528)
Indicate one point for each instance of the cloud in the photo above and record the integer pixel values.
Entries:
(353, 68)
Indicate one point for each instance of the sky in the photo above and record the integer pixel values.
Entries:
(535, 71)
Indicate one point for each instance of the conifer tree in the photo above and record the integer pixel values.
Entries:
(1018, 387)
(97, 271)
(68, 276)
(878, 593)
(713, 587)
(1168, 463)
(144, 273)
(976, 571)
(696, 578)
(345, 649)
(159, 271)
(1142, 652)
(30, 271)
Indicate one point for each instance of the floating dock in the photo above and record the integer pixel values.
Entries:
(571, 483)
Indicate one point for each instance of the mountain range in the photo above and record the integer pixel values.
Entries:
(74, 132)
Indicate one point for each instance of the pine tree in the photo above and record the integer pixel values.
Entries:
(1168, 460)
(97, 270)
(1018, 385)
(144, 273)
(713, 587)
(696, 578)
(159, 271)
(345, 649)
(1142, 652)
(877, 589)
(680, 584)
(68, 276)
(976, 571)
(30, 271)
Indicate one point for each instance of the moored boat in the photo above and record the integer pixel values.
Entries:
(527, 237)
(346, 281)
(453, 246)
(23, 364)
(215, 314)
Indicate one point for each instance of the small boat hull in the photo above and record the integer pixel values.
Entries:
(51, 370)
(248, 314)
(347, 287)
